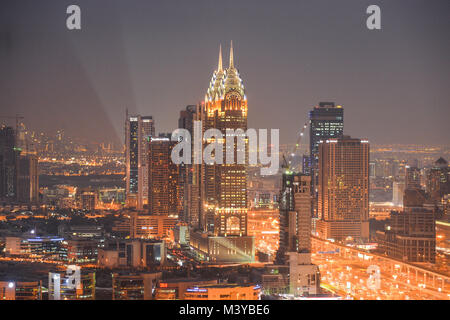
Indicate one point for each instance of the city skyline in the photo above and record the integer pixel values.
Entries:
(101, 72)
(126, 175)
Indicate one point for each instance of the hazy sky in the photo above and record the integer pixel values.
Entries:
(155, 57)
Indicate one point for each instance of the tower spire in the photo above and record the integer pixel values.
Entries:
(220, 67)
(231, 55)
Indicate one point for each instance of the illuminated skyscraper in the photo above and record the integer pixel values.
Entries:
(326, 121)
(163, 178)
(138, 129)
(224, 186)
(343, 198)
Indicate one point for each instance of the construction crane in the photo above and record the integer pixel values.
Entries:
(287, 164)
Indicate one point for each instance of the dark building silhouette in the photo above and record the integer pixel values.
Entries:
(438, 180)
(9, 157)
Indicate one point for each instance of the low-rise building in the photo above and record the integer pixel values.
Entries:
(132, 253)
(223, 292)
(134, 286)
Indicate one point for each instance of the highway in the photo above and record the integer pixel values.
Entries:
(364, 276)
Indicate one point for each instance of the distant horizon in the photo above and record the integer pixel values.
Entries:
(156, 58)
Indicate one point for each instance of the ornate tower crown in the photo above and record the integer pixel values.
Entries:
(233, 83)
(213, 93)
(225, 82)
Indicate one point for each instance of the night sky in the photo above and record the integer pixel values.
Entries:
(156, 57)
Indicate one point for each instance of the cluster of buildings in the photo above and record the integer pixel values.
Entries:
(210, 198)
(126, 286)
(204, 207)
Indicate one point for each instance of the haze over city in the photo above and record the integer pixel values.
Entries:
(154, 58)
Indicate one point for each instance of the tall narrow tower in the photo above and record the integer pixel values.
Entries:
(223, 187)
(138, 130)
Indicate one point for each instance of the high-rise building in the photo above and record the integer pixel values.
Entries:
(412, 177)
(138, 130)
(295, 234)
(295, 215)
(224, 186)
(28, 179)
(343, 189)
(190, 174)
(163, 178)
(398, 189)
(438, 180)
(9, 155)
(326, 121)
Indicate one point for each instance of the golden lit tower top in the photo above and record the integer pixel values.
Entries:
(226, 85)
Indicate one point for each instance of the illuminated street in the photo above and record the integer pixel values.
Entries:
(347, 275)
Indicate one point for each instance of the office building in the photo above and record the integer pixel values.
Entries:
(134, 286)
(398, 189)
(163, 178)
(409, 235)
(88, 201)
(82, 250)
(326, 121)
(304, 277)
(147, 226)
(9, 155)
(438, 180)
(48, 247)
(181, 234)
(224, 186)
(295, 215)
(64, 287)
(28, 179)
(18, 290)
(175, 289)
(132, 253)
(223, 292)
(138, 130)
(412, 177)
(343, 189)
(190, 181)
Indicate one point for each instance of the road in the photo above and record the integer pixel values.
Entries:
(349, 277)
